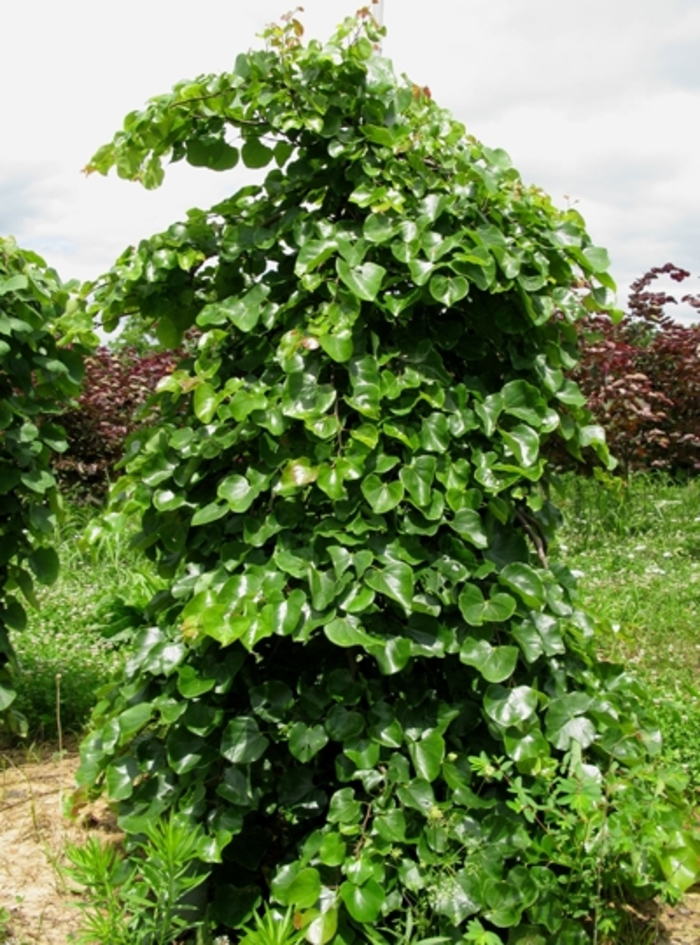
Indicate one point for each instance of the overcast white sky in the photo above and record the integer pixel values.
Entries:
(597, 102)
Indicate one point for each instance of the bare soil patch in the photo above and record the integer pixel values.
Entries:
(35, 790)
(36, 793)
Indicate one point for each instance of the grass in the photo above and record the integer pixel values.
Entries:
(636, 551)
(63, 654)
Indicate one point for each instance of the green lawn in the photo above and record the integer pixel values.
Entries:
(636, 551)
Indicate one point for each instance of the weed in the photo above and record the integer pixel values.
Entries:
(143, 898)
(4, 925)
(272, 928)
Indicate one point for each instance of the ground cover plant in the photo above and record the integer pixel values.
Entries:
(366, 685)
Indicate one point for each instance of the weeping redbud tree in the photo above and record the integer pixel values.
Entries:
(366, 686)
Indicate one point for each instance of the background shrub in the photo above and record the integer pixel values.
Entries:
(115, 388)
(641, 377)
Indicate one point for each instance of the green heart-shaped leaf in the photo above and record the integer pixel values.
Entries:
(524, 444)
(525, 581)
(364, 281)
(510, 706)
(427, 755)
(237, 492)
(467, 523)
(495, 663)
(305, 741)
(448, 290)
(364, 903)
(242, 742)
(396, 581)
(382, 496)
(255, 154)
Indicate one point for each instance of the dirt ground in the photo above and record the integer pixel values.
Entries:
(35, 792)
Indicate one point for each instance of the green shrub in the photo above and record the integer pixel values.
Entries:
(366, 684)
(37, 379)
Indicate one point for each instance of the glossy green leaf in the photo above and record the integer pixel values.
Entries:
(191, 684)
(132, 720)
(342, 725)
(206, 401)
(185, 750)
(313, 254)
(324, 588)
(417, 794)
(120, 776)
(495, 663)
(379, 228)
(330, 480)
(524, 401)
(681, 864)
(333, 850)
(364, 902)
(597, 258)
(212, 152)
(343, 808)
(382, 496)
(467, 523)
(347, 631)
(210, 513)
(237, 492)
(471, 604)
(525, 582)
(499, 608)
(448, 290)
(435, 433)
(392, 655)
(37, 480)
(305, 741)
(526, 746)
(524, 444)
(363, 752)
(459, 897)
(242, 743)
(322, 927)
(427, 755)
(338, 346)
(418, 479)
(510, 706)
(13, 615)
(364, 281)
(384, 727)
(299, 472)
(359, 598)
(395, 581)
